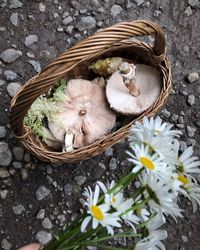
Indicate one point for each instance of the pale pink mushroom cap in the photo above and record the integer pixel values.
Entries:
(148, 82)
(98, 120)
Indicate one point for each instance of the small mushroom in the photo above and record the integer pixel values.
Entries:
(86, 115)
(146, 89)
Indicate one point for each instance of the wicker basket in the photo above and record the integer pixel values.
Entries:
(112, 41)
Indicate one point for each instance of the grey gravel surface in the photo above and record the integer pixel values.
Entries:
(36, 198)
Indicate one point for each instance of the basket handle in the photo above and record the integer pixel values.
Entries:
(93, 45)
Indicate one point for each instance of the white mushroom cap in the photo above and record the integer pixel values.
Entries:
(86, 115)
(148, 82)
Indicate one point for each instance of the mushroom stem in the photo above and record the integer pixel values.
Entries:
(128, 72)
(82, 112)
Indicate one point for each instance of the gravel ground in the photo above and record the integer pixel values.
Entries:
(37, 199)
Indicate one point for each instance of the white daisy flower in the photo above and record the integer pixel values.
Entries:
(152, 163)
(143, 214)
(99, 213)
(192, 189)
(187, 164)
(153, 240)
(161, 198)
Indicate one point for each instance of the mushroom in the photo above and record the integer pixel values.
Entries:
(85, 117)
(135, 93)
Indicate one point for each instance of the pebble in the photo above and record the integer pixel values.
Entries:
(157, 13)
(191, 142)
(36, 65)
(191, 100)
(116, 10)
(75, 4)
(188, 11)
(70, 28)
(86, 23)
(2, 82)
(2, 132)
(42, 7)
(192, 77)
(14, 4)
(165, 113)
(113, 164)
(46, 223)
(18, 209)
(10, 55)
(191, 131)
(197, 123)
(42, 192)
(27, 157)
(4, 173)
(67, 20)
(18, 153)
(43, 237)
(184, 238)
(68, 189)
(65, 14)
(14, 19)
(109, 152)
(24, 174)
(194, 3)
(30, 40)
(139, 2)
(13, 88)
(40, 214)
(174, 118)
(17, 165)
(10, 75)
(60, 29)
(5, 244)
(80, 180)
(5, 154)
(3, 194)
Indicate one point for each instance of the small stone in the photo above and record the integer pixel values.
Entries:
(2, 132)
(18, 209)
(5, 154)
(157, 13)
(30, 55)
(3, 194)
(191, 131)
(191, 142)
(4, 173)
(14, 4)
(174, 118)
(116, 10)
(184, 238)
(18, 153)
(13, 88)
(17, 165)
(2, 82)
(198, 123)
(70, 28)
(60, 29)
(68, 189)
(67, 20)
(65, 14)
(192, 77)
(109, 152)
(165, 113)
(43, 237)
(113, 164)
(40, 214)
(83, 11)
(191, 100)
(27, 157)
(10, 75)
(55, 15)
(10, 55)
(42, 193)
(101, 10)
(80, 180)
(139, 2)
(24, 174)
(42, 7)
(49, 169)
(14, 19)
(75, 4)
(5, 244)
(194, 3)
(30, 40)
(36, 65)
(188, 11)
(46, 223)
(86, 23)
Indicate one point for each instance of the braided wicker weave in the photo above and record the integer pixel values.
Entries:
(112, 41)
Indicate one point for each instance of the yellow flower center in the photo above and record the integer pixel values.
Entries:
(146, 162)
(114, 199)
(183, 179)
(97, 213)
(138, 211)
